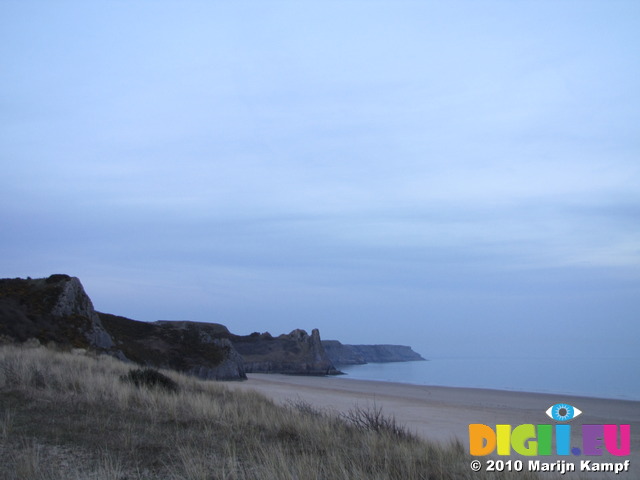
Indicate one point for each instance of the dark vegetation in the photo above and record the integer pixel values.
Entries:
(150, 378)
(176, 345)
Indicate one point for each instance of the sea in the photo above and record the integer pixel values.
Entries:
(614, 378)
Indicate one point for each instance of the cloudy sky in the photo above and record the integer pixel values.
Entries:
(460, 176)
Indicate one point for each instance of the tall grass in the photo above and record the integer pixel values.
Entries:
(70, 416)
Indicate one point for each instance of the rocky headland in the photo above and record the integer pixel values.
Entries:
(54, 309)
(58, 310)
(341, 354)
(293, 353)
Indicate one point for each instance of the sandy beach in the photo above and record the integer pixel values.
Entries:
(444, 413)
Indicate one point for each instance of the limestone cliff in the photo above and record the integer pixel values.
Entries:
(293, 353)
(341, 354)
(200, 349)
(53, 309)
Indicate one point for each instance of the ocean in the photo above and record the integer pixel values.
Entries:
(617, 378)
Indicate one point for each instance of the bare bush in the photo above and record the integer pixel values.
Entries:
(373, 420)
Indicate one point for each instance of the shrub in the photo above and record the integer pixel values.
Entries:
(150, 378)
(373, 420)
(57, 277)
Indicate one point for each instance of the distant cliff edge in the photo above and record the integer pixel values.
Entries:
(341, 354)
(293, 353)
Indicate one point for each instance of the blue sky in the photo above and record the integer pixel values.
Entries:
(463, 177)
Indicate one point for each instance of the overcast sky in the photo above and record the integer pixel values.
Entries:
(463, 177)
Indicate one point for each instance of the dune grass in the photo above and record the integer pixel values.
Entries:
(79, 416)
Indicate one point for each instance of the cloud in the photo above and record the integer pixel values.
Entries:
(339, 163)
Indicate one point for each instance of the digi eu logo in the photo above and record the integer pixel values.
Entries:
(563, 412)
(531, 440)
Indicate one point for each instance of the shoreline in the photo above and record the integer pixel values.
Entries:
(527, 392)
(337, 391)
(442, 414)
(471, 372)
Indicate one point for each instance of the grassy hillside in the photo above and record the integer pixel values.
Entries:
(73, 416)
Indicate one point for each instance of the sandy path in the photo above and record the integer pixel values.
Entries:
(444, 413)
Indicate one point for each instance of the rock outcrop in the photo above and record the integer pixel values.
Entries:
(200, 349)
(54, 309)
(293, 353)
(341, 354)
(231, 367)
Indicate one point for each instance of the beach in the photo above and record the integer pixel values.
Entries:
(444, 413)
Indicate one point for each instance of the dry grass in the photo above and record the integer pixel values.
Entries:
(66, 416)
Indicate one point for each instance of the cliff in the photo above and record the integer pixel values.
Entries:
(54, 309)
(341, 354)
(57, 309)
(199, 349)
(293, 353)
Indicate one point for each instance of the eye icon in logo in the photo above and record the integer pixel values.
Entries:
(563, 412)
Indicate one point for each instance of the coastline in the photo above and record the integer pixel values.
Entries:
(443, 414)
(603, 397)
(607, 378)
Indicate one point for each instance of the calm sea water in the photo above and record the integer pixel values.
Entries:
(603, 378)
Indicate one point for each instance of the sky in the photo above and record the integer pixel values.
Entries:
(462, 177)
